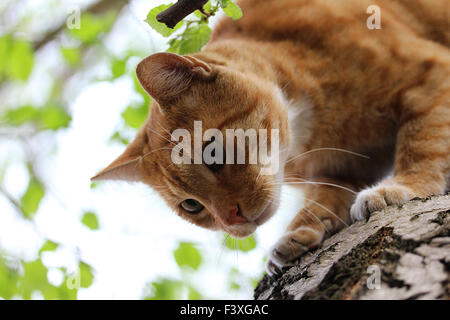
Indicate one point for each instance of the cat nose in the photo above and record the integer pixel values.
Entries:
(235, 216)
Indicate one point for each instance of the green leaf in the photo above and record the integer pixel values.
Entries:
(223, 3)
(92, 26)
(90, 220)
(141, 91)
(174, 46)
(118, 67)
(86, 275)
(232, 10)
(5, 48)
(194, 39)
(64, 293)
(71, 55)
(34, 278)
(21, 60)
(54, 118)
(21, 115)
(193, 294)
(32, 198)
(48, 118)
(117, 137)
(187, 255)
(48, 246)
(94, 185)
(9, 279)
(235, 286)
(165, 289)
(158, 26)
(135, 116)
(244, 245)
(206, 8)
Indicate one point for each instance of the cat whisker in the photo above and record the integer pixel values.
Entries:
(165, 130)
(328, 149)
(326, 209)
(222, 248)
(169, 166)
(324, 184)
(150, 152)
(160, 135)
(309, 213)
(304, 181)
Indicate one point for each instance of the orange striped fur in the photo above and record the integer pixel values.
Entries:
(353, 106)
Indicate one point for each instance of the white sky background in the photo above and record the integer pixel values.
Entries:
(138, 232)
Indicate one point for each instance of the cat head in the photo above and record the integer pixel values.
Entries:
(188, 93)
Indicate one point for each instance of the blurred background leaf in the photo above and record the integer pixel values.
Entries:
(53, 138)
(32, 198)
(90, 220)
(19, 59)
(187, 255)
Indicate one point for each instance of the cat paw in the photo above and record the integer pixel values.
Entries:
(291, 246)
(378, 198)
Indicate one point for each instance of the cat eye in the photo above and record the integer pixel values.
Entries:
(192, 206)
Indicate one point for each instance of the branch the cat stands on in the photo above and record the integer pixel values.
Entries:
(399, 253)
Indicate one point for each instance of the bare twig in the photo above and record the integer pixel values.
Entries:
(11, 200)
(177, 12)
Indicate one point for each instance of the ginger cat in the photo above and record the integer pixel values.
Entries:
(363, 115)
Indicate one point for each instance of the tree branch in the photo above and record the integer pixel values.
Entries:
(177, 12)
(398, 253)
(11, 200)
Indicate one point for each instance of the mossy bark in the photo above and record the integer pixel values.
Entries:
(398, 253)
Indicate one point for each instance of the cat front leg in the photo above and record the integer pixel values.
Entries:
(422, 159)
(326, 211)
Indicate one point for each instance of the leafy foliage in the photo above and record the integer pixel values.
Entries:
(71, 55)
(86, 275)
(160, 27)
(48, 246)
(21, 60)
(188, 258)
(16, 58)
(49, 117)
(197, 31)
(32, 198)
(90, 220)
(165, 289)
(187, 255)
(27, 279)
(135, 116)
(23, 279)
(91, 26)
(194, 39)
(232, 10)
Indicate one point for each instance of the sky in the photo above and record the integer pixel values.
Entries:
(138, 232)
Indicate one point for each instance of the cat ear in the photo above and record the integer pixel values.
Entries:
(166, 75)
(127, 167)
(128, 170)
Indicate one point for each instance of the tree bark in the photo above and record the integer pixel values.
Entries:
(398, 253)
